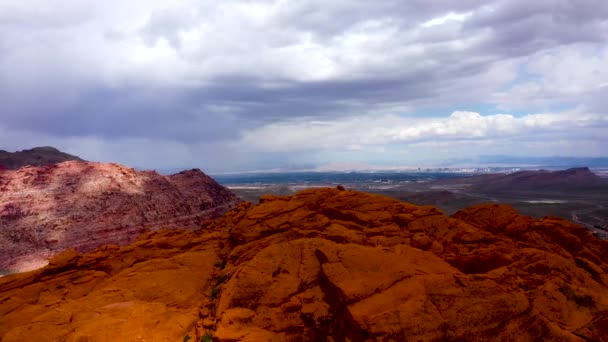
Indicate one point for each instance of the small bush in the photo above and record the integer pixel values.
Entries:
(215, 292)
(187, 338)
(580, 300)
(5, 272)
(220, 263)
(221, 279)
(208, 337)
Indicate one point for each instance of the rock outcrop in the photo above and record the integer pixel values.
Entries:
(83, 205)
(325, 265)
(37, 156)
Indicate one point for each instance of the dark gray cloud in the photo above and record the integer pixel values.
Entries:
(124, 112)
(521, 28)
(193, 73)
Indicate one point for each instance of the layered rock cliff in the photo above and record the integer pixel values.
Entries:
(325, 265)
(83, 205)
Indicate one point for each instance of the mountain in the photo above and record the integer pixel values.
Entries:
(325, 265)
(555, 161)
(84, 205)
(576, 178)
(38, 156)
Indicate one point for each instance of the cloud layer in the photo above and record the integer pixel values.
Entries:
(237, 85)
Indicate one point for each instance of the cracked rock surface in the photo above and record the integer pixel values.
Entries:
(325, 265)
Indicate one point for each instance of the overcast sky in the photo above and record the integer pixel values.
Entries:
(251, 85)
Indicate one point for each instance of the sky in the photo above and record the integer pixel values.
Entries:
(256, 85)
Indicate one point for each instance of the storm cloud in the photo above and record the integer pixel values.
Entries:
(241, 85)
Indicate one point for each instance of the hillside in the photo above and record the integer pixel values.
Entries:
(38, 156)
(325, 265)
(542, 180)
(84, 205)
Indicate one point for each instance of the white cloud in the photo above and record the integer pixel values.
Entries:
(329, 77)
(556, 77)
(458, 17)
(461, 126)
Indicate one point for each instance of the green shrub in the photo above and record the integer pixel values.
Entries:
(187, 338)
(220, 263)
(4, 272)
(208, 337)
(221, 279)
(215, 292)
(580, 299)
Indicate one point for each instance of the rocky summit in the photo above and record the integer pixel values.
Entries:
(37, 156)
(84, 205)
(325, 265)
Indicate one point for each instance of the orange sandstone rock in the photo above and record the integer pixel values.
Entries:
(325, 265)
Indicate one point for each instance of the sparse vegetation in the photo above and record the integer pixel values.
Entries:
(220, 264)
(208, 337)
(221, 279)
(215, 292)
(579, 299)
(187, 338)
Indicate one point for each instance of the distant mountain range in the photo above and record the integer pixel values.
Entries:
(546, 162)
(38, 156)
(576, 178)
(484, 162)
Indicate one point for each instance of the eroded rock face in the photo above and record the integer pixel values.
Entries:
(82, 205)
(325, 265)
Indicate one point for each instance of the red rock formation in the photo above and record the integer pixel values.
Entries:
(81, 205)
(325, 265)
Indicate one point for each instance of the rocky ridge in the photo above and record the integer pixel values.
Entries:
(325, 265)
(37, 156)
(84, 205)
